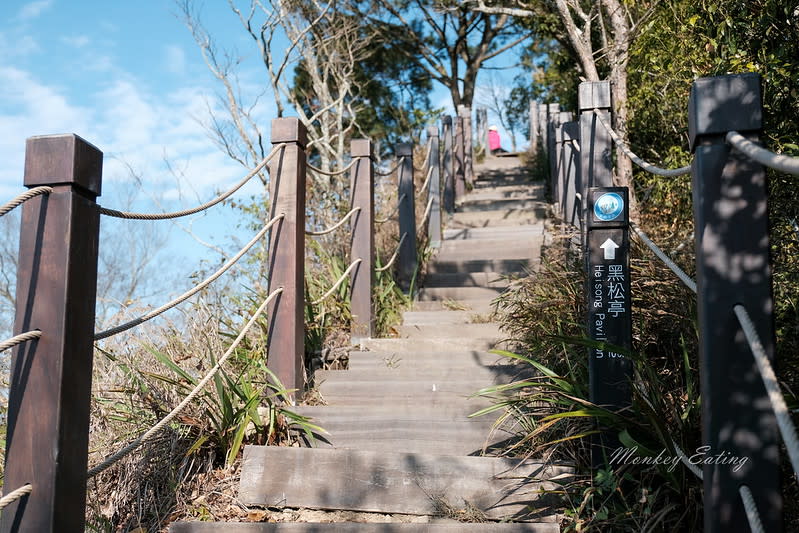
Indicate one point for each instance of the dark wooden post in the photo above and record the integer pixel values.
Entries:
(556, 179)
(571, 182)
(449, 175)
(363, 241)
(468, 145)
(285, 344)
(48, 412)
(460, 158)
(534, 127)
(543, 117)
(732, 267)
(552, 124)
(407, 217)
(434, 190)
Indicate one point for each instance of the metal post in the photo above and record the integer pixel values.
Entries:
(449, 175)
(534, 127)
(48, 412)
(468, 145)
(407, 218)
(571, 153)
(434, 190)
(363, 240)
(608, 302)
(732, 267)
(460, 168)
(285, 343)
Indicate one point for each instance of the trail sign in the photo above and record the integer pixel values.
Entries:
(608, 303)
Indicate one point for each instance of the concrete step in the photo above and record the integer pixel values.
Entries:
(421, 387)
(477, 204)
(448, 526)
(425, 371)
(479, 331)
(464, 263)
(485, 219)
(465, 279)
(459, 293)
(480, 306)
(494, 233)
(405, 483)
(427, 318)
(516, 248)
(444, 344)
(427, 359)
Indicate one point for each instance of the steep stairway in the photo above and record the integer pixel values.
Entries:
(399, 439)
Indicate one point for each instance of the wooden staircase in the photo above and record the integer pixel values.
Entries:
(399, 437)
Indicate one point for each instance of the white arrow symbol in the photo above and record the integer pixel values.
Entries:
(610, 249)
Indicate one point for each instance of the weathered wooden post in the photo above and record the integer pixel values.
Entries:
(534, 121)
(48, 412)
(434, 190)
(285, 343)
(460, 158)
(468, 145)
(608, 302)
(482, 130)
(571, 181)
(447, 160)
(732, 267)
(553, 111)
(556, 184)
(595, 143)
(363, 240)
(543, 117)
(407, 218)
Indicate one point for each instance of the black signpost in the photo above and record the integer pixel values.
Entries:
(608, 300)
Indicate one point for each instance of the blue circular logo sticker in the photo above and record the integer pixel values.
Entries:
(608, 206)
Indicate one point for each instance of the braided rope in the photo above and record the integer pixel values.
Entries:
(15, 495)
(780, 162)
(752, 515)
(649, 167)
(394, 168)
(24, 197)
(692, 467)
(19, 339)
(333, 228)
(426, 183)
(188, 294)
(105, 465)
(331, 172)
(203, 207)
(787, 429)
(393, 257)
(427, 211)
(393, 211)
(335, 286)
(685, 278)
(426, 158)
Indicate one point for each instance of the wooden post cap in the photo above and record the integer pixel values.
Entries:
(724, 103)
(593, 94)
(289, 130)
(63, 160)
(361, 148)
(404, 149)
(432, 131)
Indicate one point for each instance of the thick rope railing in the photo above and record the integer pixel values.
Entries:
(338, 283)
(426, 183)
(19, 339)
(393, 211)
(393, 257)
(24, 197)
(787, 429)
(15, 495)
(687, 462)
(203, 207)
(426, 158)
(393, 169)
(336, 226)
(331, 172)
(780, 162)
(108, 463)
(649, 167)
(427, 211)
(188, 294)
(685, 278)
(752, 515)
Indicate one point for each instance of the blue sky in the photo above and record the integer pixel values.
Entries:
(128, 77)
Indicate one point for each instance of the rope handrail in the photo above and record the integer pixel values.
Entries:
(752, 514)
(426, 183)
(426, 158)
(787, 429)
(393, 211)
(393, 257)
(203, 207)
(393, 169)
(24, 197)
(685, 278)
(332, 172)
(687, 462)
(105, 465)
(19, 339)
(649, 167)
(336, 226)
(336, 285)
(188, 294)
(427, 211)
(15, 495)
(780, 162)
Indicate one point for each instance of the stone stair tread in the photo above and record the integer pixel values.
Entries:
(458, 293)
(466, 279)
(477, 306)
(397, 345)
(362, 527)
(416, 331)
(426, 372)
(463, 264)
(441, 317)
(493, 233)
(408, 483)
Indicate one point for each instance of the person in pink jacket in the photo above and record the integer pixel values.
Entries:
(494, 143)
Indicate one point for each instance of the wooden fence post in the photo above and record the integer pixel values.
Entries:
(482, 130)
(571, 183)
(543, 117)
(285, 343)
(468, 145)
(732, 266)
(449, 175)
(407, 217)
(460, 158)
(534, 127)
(595, 144)
(434, 190)
(363, 240)
(50, 391)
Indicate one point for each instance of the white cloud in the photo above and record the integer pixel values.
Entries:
(33, 9)
(78, 41)
(175, 60)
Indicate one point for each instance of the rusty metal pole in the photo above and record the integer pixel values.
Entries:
(434, 190)
(48, 413)
(407, 217)
(363, 240)
(285, 343)
(449, 175)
